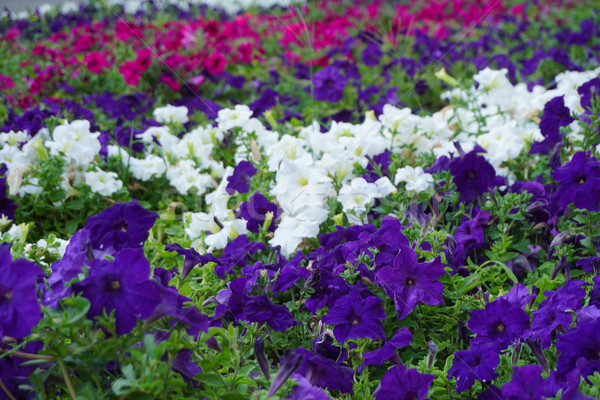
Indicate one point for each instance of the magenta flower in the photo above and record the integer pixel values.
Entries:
(409, 282)
(19, 307)
(356, 317)
(122, 285)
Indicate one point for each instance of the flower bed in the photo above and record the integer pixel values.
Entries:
(322, 200)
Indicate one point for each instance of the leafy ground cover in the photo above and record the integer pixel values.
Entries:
(301, 201)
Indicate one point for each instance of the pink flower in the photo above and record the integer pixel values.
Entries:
(95, 62)
(215, 63)
(144, 59)
(130, 72)
(171, 83)
(6, 82)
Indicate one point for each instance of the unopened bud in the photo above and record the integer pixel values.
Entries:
(443, 76)
(516, 354)
(259, 353)
(433, 349)
(270, 119)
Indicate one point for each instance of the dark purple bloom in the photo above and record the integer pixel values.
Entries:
(289, 364)
(326, 373)
(580, 347)
(401, 338)
(323, 345)
(500, 322)
(526, 384)
(121, 285)
(587, 91)
(183, 364)
(7, 205)
(371, 55)
(409, 281)
(192, 258)
(555, 115)
(400, 383)
(255, 210)
(236, 254)
(477, 362)
(554, 313)
(121, 226)
(578, 182)
(19, 306)
(173, 305)
(378, 167)
(257, 308)
(241, 178)
(329, 84)
(469, 235)
(472, 175)
(306, 391)
(356, 317)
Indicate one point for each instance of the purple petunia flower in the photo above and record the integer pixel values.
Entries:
(401, 338)
(587, 91)
(306, 391)
(192, 258)
(19, 307)
(526, 384)
(325, 373)
(401, 383)
(472, 175)
(255, 210)
(172, 305)
(469, 235)
(371, 55)
(251, 308)
(409, 282)
(124, 225)
(477, 362)
(580, 347)
(121, 285)
(356, 317)
(329, 84)
(241, 178)
(578, 182)
(554, 313)
(7, 205)
(555, 115)
(500, 321)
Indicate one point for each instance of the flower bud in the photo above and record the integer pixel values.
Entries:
(433, 349)
(443, 76)
(259, 353)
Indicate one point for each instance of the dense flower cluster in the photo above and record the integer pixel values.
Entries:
(233, 203)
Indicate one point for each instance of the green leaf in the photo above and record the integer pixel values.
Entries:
(211, 379)
(71, 226)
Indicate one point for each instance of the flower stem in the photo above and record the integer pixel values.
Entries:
(65, 374)
(8, 393)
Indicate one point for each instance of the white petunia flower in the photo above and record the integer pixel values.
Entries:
(171, 114)
(147, 167)
(415, 178)
(103, 183)
(75, 141)
(228, 118)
